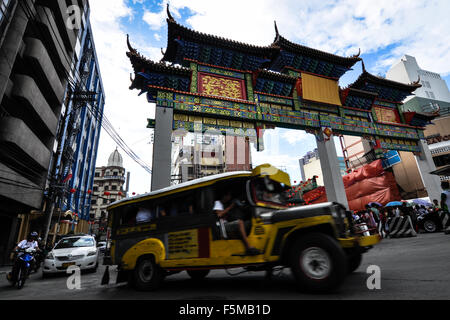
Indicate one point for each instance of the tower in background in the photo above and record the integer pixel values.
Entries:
(108, 187)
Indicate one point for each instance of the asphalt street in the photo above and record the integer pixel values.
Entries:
(411, 268)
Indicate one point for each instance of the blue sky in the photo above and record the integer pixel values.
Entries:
(384, 30)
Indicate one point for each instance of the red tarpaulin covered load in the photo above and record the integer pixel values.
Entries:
(370, 170)
(367, 184)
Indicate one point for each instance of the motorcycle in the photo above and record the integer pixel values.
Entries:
(22, 267)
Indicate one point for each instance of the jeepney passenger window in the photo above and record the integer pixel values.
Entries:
(128, 217)
(145, 214)
(160, 211)
(206, 200)
(173, 210)
(186, 205)
(167, 209)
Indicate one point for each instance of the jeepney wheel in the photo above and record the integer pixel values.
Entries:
(147, 274)
(354, 261)
(318, 262)
(197, 274)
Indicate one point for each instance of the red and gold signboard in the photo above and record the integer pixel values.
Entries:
(221, 86)
(387, 115)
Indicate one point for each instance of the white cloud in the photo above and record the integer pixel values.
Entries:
(154, 20)
(417, 27)
(295, 136)
(126, 111)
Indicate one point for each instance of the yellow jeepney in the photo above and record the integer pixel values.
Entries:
(182, 232)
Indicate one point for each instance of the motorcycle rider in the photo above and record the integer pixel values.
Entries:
(29, 242)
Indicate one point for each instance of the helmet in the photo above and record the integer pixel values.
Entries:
(33, 235)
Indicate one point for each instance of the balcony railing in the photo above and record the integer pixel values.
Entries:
(110, 177)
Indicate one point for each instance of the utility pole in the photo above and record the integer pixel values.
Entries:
(58, 188)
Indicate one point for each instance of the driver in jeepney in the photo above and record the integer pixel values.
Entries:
(223, 207)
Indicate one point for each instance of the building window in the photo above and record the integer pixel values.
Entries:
(95, 188)
(93, 202)
(443, 160)
(106, 188)
(113, 187)
(426, 84)
(97, 174)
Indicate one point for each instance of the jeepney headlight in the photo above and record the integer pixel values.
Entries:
(338, 214)
(335, 212)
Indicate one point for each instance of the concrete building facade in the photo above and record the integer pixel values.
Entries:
(434, 95)
(310, 166)
(407, 70)
(36, 54)
(197, 155)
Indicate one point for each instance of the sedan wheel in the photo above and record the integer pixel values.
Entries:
(429, 226)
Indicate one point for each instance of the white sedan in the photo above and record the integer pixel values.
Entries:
(74, 250)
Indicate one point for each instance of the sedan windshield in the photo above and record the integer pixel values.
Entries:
(75, 243)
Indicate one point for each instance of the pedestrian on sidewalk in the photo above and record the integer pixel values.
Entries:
(383, 222)
(436, 205)
(445, 196)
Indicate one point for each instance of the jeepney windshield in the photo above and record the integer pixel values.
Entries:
(270, 192)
